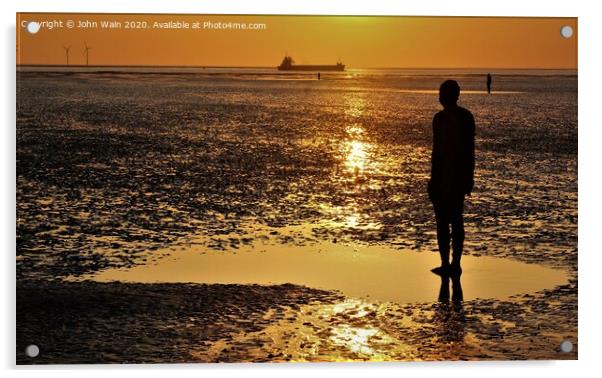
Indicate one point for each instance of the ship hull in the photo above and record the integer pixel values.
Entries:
(312, 68)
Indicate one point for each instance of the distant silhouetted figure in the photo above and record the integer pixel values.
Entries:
(452, 173)
(318, 76)
(489, 83)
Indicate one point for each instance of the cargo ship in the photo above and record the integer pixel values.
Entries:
(288, 64)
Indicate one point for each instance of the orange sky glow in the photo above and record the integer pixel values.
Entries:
(359, 42)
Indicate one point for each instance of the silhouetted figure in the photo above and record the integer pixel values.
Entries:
(489, 83)
(318, 76)
(452, 174)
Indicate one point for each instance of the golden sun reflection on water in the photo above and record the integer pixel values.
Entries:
(356, 153)
(359, 336)
(356, 157)
(355, 131)
(352, 221)
(357, 340)
(355, 148)
(354, 105)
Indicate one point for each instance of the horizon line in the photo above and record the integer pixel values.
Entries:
(211, 66)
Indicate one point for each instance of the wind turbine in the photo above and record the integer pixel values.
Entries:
(67, 48)
(87, 51)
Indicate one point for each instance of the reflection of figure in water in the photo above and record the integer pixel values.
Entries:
(449, 317)
(489, 83)
(452, 173)
(457, 293)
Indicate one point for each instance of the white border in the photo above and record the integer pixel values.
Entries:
(590, 137)
(340, 7)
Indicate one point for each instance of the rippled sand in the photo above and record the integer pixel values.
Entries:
(116, 170)
(167, 323)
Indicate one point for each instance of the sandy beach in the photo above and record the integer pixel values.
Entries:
(122, 176)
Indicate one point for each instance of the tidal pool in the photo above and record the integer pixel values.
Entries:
(372, 272)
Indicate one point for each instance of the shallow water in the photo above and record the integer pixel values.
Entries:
(378, 272)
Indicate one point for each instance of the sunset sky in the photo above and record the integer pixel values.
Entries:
(360, 42)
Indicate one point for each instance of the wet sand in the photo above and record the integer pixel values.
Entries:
(119, 323)
(118, 172)
(90, 322)
(351, 158)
